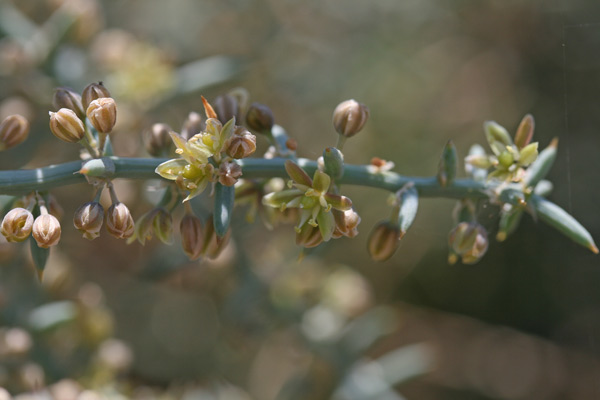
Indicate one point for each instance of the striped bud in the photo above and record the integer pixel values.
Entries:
(102, 113)
(212, 244)
(66, 98)
(88, 219)
(468, 241)
(349, 117)
(260, 118)
(17, 225)
(66, 126)
(119, 222)
(226, 106)
(92, 92)
(46, 230)
(158, 140)
(383, 240)
(14, 129)
(191, 236)
(192, 125)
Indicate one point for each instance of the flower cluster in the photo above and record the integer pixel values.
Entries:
(316, 221)
(509, 157)
(208, 155)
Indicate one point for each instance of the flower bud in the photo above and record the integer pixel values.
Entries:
(88, 219)
(229, 172)
(383, 240)
(259, 118)
(309, 236)
(119, 222)
(192, 125)
(213, 245)
(191, 236)
(349, 117)
(46, 230)
(17, 224)
(469, 241)
(241, 144)
(66, 126)
(333, 162)
(66, 98)
(158, 139)
(92, 92)
(226, 107)
(102, 113)
(14, 129)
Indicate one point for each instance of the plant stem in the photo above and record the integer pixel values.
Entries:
(20, 182)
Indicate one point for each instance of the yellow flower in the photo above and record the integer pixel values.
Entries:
(193, 170)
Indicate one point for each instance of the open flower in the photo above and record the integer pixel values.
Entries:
(311, 196)
(509, 158)
(193, 170)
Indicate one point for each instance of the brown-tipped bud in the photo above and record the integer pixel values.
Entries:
(226, 107)
(229, 172)
(92, 92)
(158, 140)
(309, 236)
(242, 144)
(349, 117)
(88, 219)
(191, 236)
(14, 129)
(213, 245)
(46, 230)
(525, 131)
(259, 118)
(119, 222)
(383, 240)
(469, 241)
(66, 98)
(102, 113)
(17, 224)
(192, 125)
(66, 126)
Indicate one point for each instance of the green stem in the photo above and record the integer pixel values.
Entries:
(20, 182)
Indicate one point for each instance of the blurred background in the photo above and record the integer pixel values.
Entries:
(111, 320)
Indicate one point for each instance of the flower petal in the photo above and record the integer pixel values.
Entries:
(342, 203)
(297, 174)
(171, 169)
(326, 224)
(278, 199)
(321, 181)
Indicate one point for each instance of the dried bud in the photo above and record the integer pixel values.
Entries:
(46, 230)
(229, 172)
(92, 92)
(158, 139)
(226, 107)
(383, 240)
(14, 129)
(349, 117)
(88, 219)
(17, 224)
(191, 236)
(213, 245)
(66, 98)
(259, 118)
(241, 144)
(192, 125)
(66, 126)
(102, 113)
(469, 241)
(119, 222)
